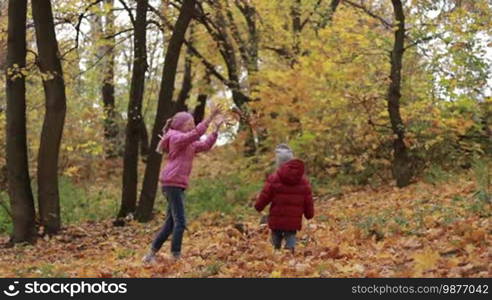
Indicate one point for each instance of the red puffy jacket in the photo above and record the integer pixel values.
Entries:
(290, 195)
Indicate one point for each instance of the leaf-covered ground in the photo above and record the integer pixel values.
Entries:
(420, 231)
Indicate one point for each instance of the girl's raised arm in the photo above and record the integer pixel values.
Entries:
(207, 144)
(186, 138)
(211, 139)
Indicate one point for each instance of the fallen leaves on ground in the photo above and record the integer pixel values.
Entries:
(420, 231)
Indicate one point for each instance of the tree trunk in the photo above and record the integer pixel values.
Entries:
(329, 16)
(19, 182)
(248, 48)
(334, 4)
(228, 53)
(54, 89)
(164, 110)
(296, 29)
(239, 99)
(199, 112)
(107, 90)
(254, 40)
(97, 34)
(135, 122)
(224, 41)
(401, 163)
(186, 85)
(144, 141)
(254, 141)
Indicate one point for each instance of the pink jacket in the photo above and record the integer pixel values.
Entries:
(181, 148)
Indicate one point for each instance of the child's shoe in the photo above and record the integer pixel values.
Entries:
(149, 258)
(176, 255)
(290, 249)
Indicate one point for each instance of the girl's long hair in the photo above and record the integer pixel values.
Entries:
(167, 126)
(163, 149)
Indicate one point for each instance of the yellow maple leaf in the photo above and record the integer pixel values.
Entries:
(276, 274)
(425, 260)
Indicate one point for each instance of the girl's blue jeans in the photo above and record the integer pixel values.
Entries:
(175, 222)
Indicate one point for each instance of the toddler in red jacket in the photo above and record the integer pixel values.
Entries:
(289, 194)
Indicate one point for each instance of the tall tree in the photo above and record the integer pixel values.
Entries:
(144, 141)
(217, 26)
(164, 109)
(107, 89)
(248, 47)
(401, 163)
(54, 89)
(103, 41)
(186, 84)
(135, 121)
(296, 28)
(20, 193)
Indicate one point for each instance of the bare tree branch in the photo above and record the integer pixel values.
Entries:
(107, 37)
(423, 40)
(370, 13)
(217, 34)
(79, 23)
(210, 67)
(236, 35)
(281, 52)
(316, 6)
(129, 11)
(102, 56)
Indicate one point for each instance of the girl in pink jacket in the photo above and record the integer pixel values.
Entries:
(181, 141)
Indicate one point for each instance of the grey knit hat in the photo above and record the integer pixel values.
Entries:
(283, 154)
